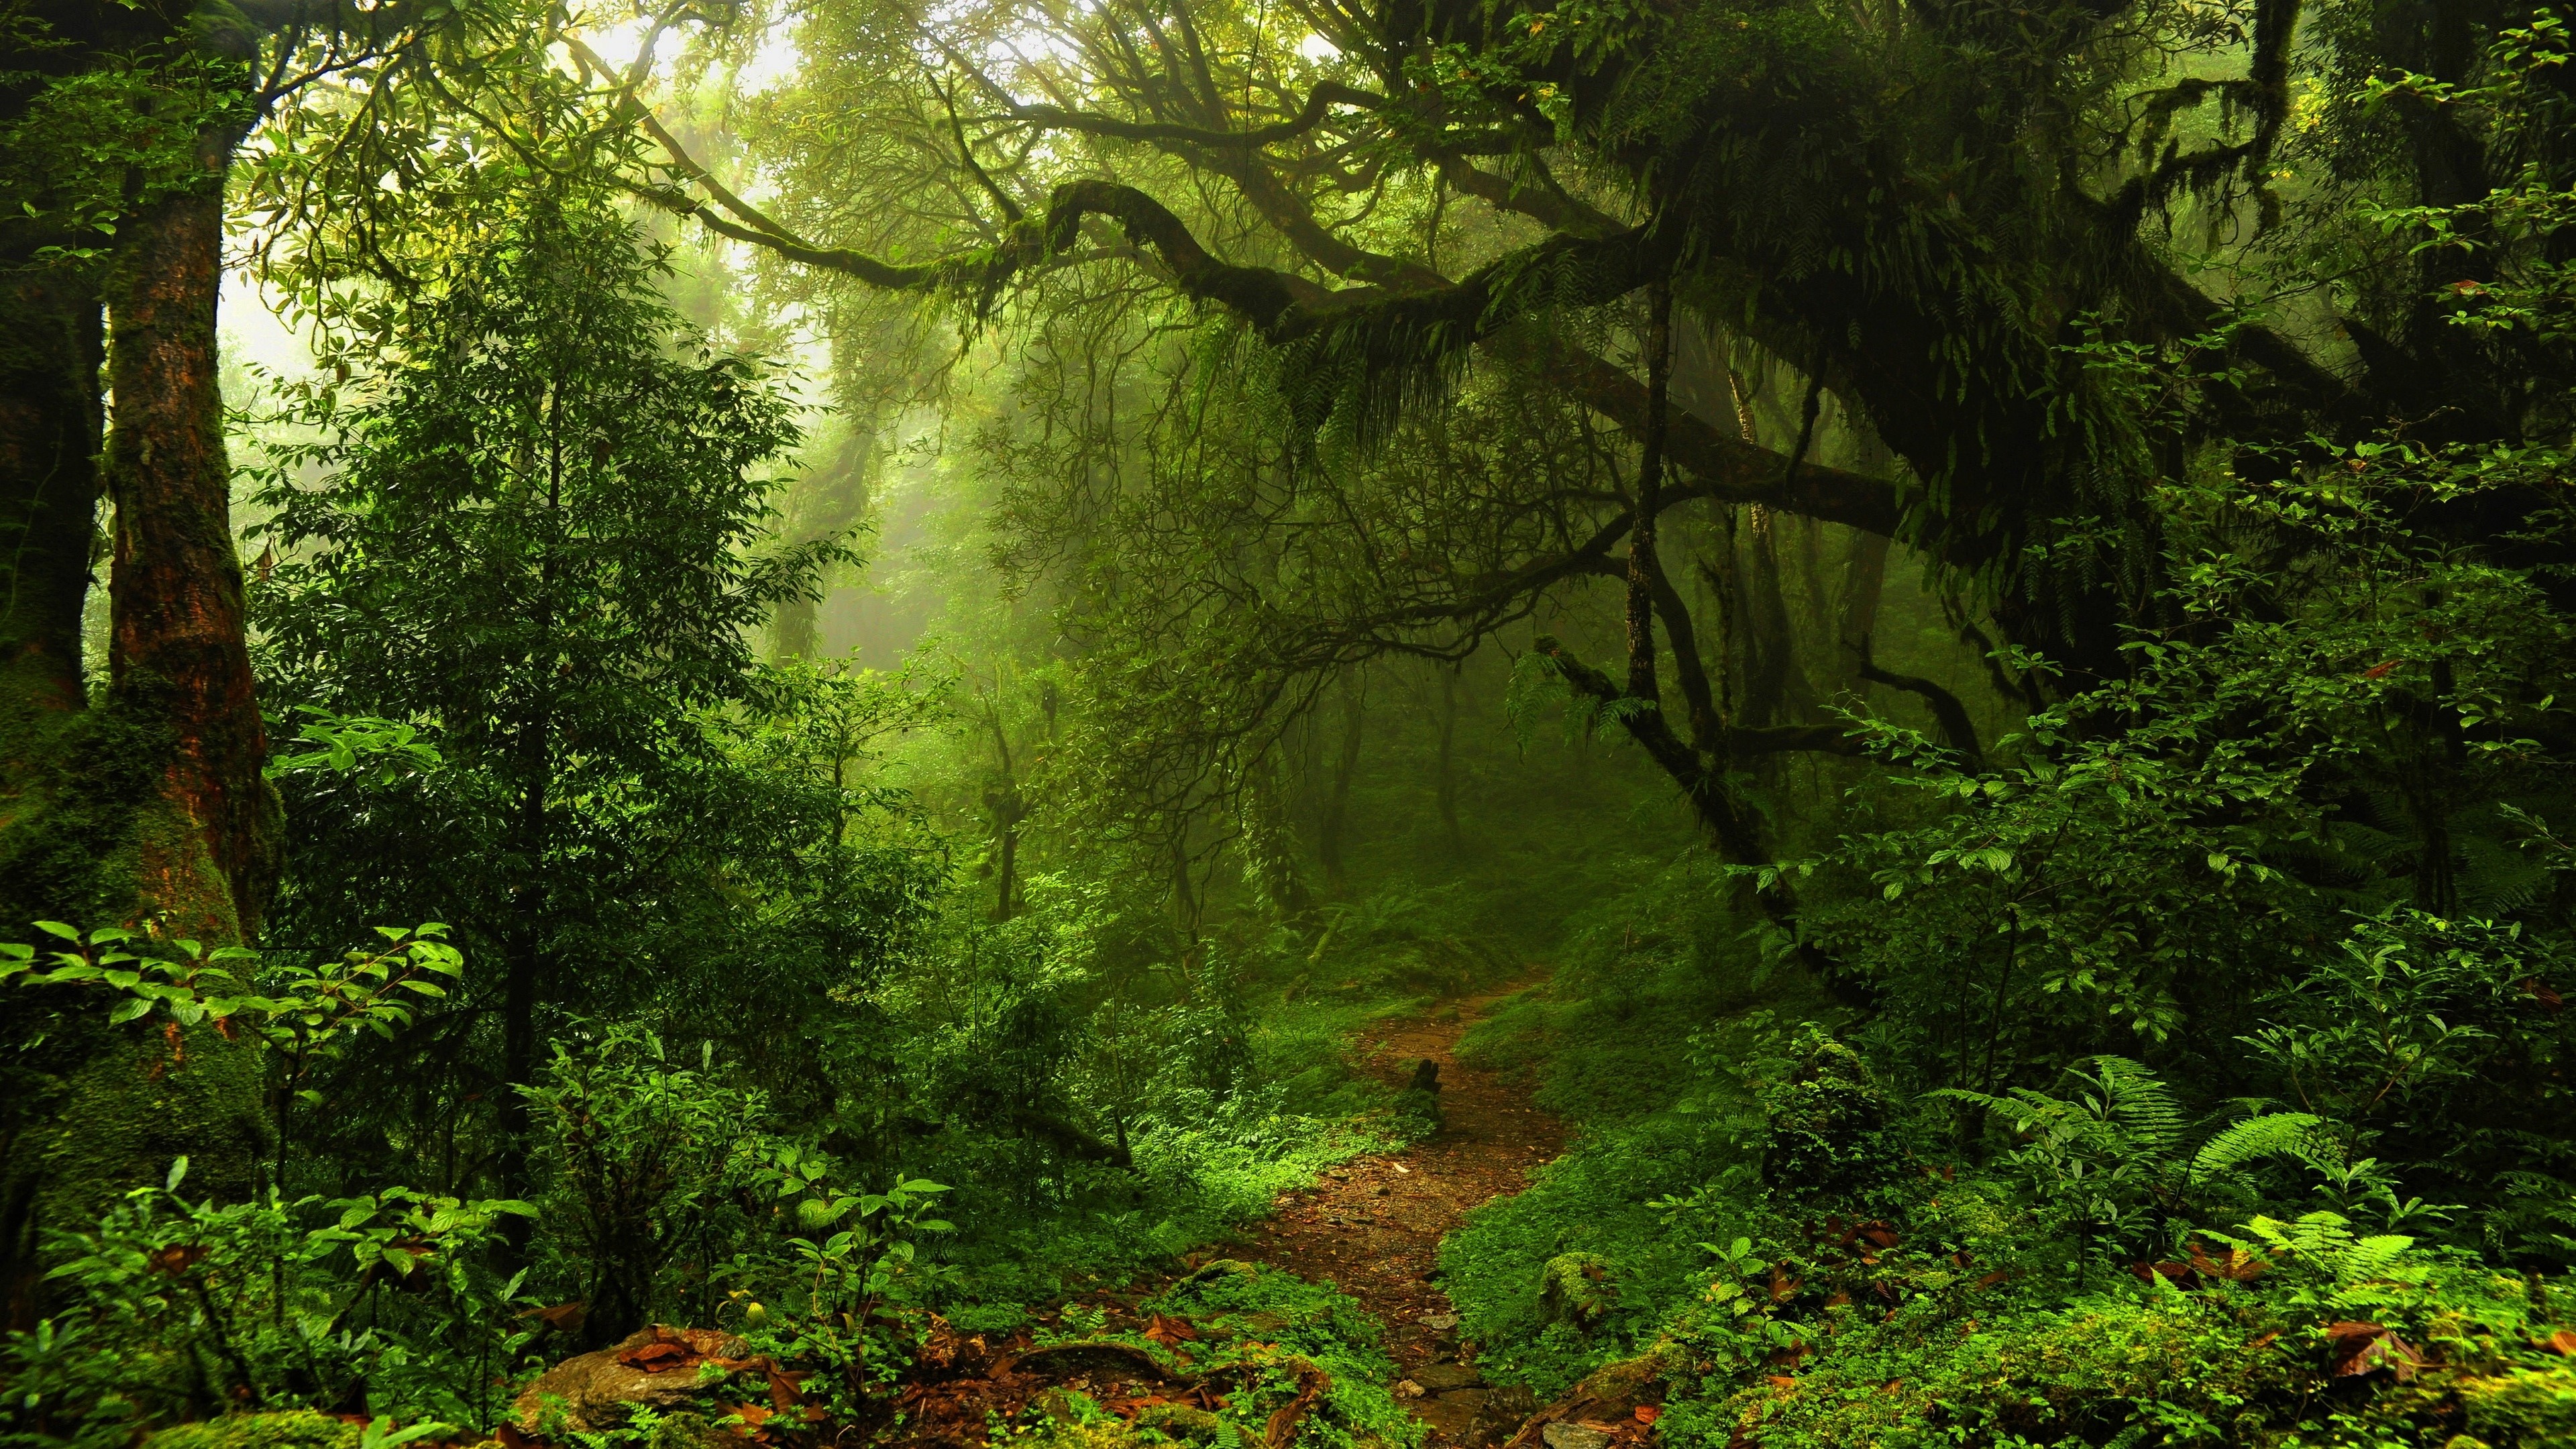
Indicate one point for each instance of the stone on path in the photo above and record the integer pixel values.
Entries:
(1442, 1377)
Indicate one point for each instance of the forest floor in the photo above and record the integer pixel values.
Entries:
(1372, 1226)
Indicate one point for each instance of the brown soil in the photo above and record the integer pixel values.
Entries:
(1373, 1226)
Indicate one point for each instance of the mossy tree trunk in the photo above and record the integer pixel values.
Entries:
(176, 593)
(149, 809)
(52, 343)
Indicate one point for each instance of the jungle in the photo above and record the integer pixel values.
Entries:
(1317, 724)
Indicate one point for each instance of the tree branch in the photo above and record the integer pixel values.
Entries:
(1958, 731)
(1319, 101)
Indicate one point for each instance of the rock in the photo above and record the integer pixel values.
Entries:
(1215, 1269)
(1576, 1436)
(1439, 1322)
(1499, 1414)
(1407, 1389)
(659, 1368)
(1440, 1378)
(1610, 1394)
(1452, 1414)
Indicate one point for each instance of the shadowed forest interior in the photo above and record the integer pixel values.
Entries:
(766, 724)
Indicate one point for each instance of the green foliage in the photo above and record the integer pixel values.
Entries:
(1284, 1329)
(639, 1153)
(187, 1307)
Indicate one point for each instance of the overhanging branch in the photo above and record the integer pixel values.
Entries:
(1319, 103)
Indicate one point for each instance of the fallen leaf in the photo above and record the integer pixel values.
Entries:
(562, 1317)
(2239, 1266)
(655, 1358)
(2561, 1342)
(2360, 1348)
(1648, 1413)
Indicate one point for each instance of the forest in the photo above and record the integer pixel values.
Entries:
(1287, 724)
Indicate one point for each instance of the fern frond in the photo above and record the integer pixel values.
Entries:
(2274, 1134)
(2372, 1256)
(2136, 1101)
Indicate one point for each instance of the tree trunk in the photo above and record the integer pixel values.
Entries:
(1447, 783)
(151, 810)
(825, 503)
(1864, 582)
(52, 343)
(1337, 806)
(175, 594)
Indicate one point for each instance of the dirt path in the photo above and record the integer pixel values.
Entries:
(1373, 1225)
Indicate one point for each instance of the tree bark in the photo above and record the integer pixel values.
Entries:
(152, 809)
(1864, 583)
(1337, 806)
(175, 594)
(52, 344)
(1446, 781)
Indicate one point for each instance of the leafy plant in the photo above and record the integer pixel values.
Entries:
(187, 1307)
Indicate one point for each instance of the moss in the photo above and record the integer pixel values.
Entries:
(91, 1110)
(2523, 1407)
(301, 1429)
(1577, 1289)
(1180, 1421)
(1098, 1434)
(77, 785)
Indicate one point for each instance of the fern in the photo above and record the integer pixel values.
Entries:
(2137, 1102)
(2273, 1134)
(2372, 1256)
